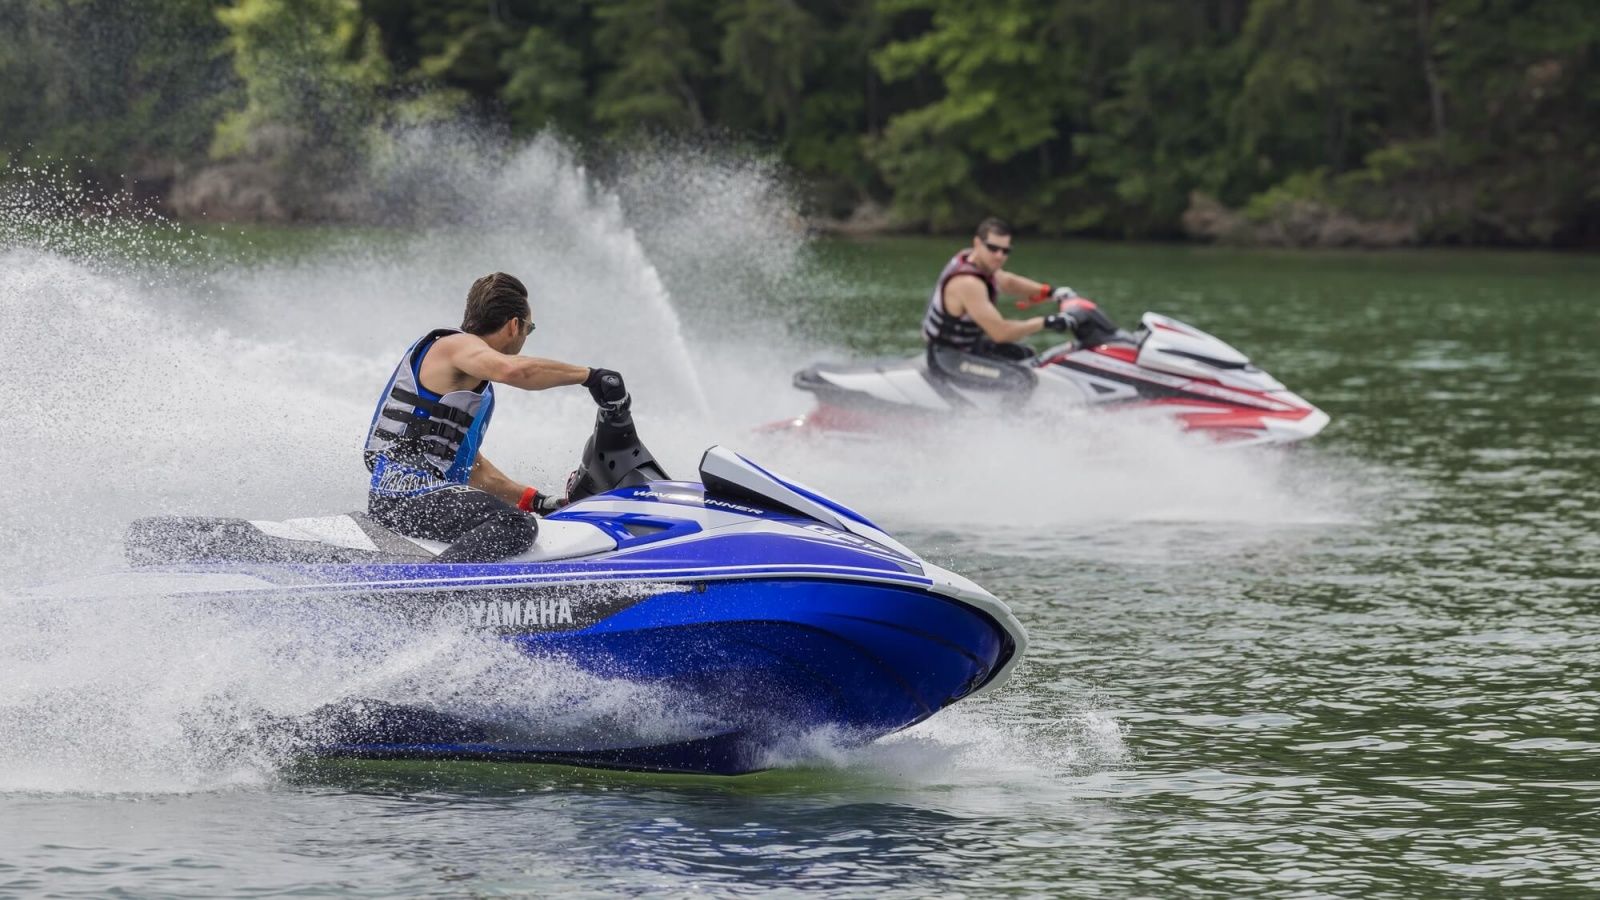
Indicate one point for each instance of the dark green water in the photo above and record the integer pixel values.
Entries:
(1368, 667)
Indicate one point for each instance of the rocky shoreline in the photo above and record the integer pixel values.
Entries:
(263, 191)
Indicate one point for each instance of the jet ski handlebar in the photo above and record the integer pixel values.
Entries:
(614, 456)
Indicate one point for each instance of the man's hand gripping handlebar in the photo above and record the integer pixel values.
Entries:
(607, 389)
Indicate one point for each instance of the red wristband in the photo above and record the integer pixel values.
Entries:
(526, 503)
(1035, 299)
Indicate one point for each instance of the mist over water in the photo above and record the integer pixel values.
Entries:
(176, 378)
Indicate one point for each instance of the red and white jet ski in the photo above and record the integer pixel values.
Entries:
(1165, 366)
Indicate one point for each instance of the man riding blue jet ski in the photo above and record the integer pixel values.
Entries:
(760, 610)
(429, 479)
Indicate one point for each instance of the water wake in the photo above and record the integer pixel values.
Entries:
(1043, 487)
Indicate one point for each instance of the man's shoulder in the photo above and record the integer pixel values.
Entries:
(447, 348)
(457, 341)
(967, 290)
(967, 281)
(442, 370)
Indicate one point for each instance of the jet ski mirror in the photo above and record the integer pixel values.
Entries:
(613, 456)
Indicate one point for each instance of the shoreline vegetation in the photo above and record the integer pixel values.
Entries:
(1333, 123)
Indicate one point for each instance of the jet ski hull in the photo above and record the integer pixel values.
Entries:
(752, 617)
(752, 667)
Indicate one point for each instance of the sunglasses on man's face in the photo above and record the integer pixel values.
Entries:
(996, 248)
(527, 327)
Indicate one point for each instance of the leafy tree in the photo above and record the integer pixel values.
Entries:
(1521, 82)
(1475, 120)
(312, 71)
(1320, 78)
(546, 85)
(125, 91)
(769, 47)
(1150, 89)
(984, 56)
(654, 66)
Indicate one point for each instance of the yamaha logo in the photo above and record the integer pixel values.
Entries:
(506, 614)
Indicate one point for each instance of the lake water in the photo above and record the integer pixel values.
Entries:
(1368, 666)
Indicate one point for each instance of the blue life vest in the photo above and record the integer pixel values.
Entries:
(419, 440)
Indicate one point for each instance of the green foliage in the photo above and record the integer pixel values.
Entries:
(124, 90)
(993, 106)
(1300, 187)
(1149, 118)
(1320, 71)
(651, 84)
(1471, 119)
(768, 47)
(311, 69)
(546, 85)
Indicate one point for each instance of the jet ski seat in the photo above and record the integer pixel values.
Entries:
(558, 539)
(817, 376)
(350, 538)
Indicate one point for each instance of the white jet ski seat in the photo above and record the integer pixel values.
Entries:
(349, 538)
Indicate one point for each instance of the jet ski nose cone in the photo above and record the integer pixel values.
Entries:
(971, 594)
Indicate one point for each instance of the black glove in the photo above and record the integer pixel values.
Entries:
(1086, 322)
(605, 386)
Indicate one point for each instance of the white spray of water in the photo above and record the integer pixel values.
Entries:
(1082, 484)
(967, 741)
(533, 212)
(224, 389)
(162, 694)
(244, 391)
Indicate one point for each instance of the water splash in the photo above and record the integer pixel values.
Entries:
(968, 742)
(1041, 487)
(162, 694)
(55, 209)
(163, 375)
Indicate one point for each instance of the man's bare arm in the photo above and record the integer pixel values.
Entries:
(1016, 285)
(530, 373)
(968, 293)
(488, 478)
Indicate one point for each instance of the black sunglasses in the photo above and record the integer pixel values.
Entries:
(996, 248)
(527, 326)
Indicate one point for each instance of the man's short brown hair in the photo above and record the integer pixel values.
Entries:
(493, 301)
(993, 226)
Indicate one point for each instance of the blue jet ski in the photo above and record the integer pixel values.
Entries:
(776, 610)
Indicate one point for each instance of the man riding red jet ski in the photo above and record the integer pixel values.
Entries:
(974, 362)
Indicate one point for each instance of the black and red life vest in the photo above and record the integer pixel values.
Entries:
(938, 326)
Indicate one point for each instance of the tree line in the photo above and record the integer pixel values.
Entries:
(1297, 121)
